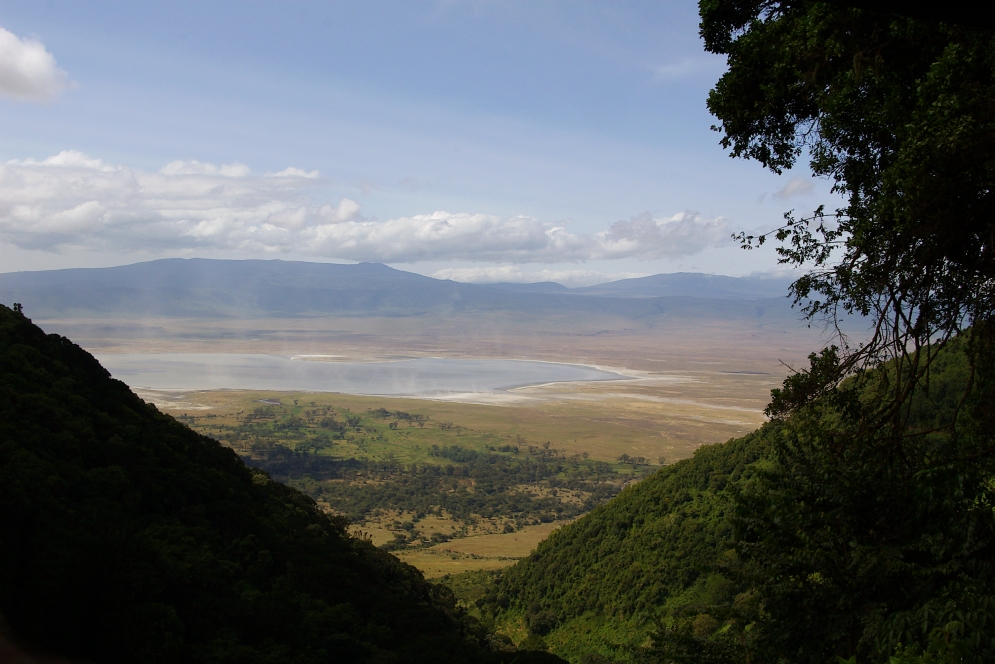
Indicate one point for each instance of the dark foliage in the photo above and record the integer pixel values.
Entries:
(854, 545)
(899, 114)
(125, 536)
(871, 533)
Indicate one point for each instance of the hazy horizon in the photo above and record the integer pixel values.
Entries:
(467, 276)
(557, 142)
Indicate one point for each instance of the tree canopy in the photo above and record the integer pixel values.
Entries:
(899, 114)
(870, 534)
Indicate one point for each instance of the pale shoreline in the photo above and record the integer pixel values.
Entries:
(496, 396)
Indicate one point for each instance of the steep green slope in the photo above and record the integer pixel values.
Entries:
(127, 537)
(842, 546)
(596, 585)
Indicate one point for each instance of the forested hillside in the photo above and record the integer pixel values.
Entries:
(125, 537)
(597, 584)
(798, 537)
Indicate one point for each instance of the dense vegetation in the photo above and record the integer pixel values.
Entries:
(871, 535)
(125, 536)
(797, 543)
(338, 457)
(596, 585)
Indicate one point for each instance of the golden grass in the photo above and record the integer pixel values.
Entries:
(486, 552)
(435, 564)
(501, 545)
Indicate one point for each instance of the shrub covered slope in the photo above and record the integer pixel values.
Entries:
(596, 585)
(805, 541)
(125, 536)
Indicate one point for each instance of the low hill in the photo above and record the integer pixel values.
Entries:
(127, 537)
(596, 585)
(693, 284)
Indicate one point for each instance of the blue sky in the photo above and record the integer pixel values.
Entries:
(473, 140)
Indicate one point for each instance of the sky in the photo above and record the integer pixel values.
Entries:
(471, 140)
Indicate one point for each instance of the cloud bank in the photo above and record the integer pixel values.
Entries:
(27, 71)
(72, 200)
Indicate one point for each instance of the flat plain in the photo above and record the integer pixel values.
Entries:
(692, 384)
(687, 385)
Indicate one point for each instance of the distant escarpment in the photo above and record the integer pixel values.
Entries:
(204, 288)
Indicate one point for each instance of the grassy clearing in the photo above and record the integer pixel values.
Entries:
(501, 545)
(437, 564)
(487, 552)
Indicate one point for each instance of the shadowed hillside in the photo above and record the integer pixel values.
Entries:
(127, 537)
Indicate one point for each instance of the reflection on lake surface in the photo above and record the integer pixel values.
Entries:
(419, 377)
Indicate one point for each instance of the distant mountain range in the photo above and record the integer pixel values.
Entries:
(681, 284)
(275, 288)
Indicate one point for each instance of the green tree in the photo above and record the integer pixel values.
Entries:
(898, 114)
(871, 531)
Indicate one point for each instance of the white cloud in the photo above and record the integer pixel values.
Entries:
(27, 71)
(516, 275)
(291, 172)
(194, 167)
(796, 186)
(346, 210)
(70, 159)
(645, 237)
(73, 200)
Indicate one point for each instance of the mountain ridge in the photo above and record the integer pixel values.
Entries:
(276, 288)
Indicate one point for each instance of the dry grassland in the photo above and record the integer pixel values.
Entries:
(379, 530)
(652, 419)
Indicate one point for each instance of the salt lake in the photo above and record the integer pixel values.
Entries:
(421, 377)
